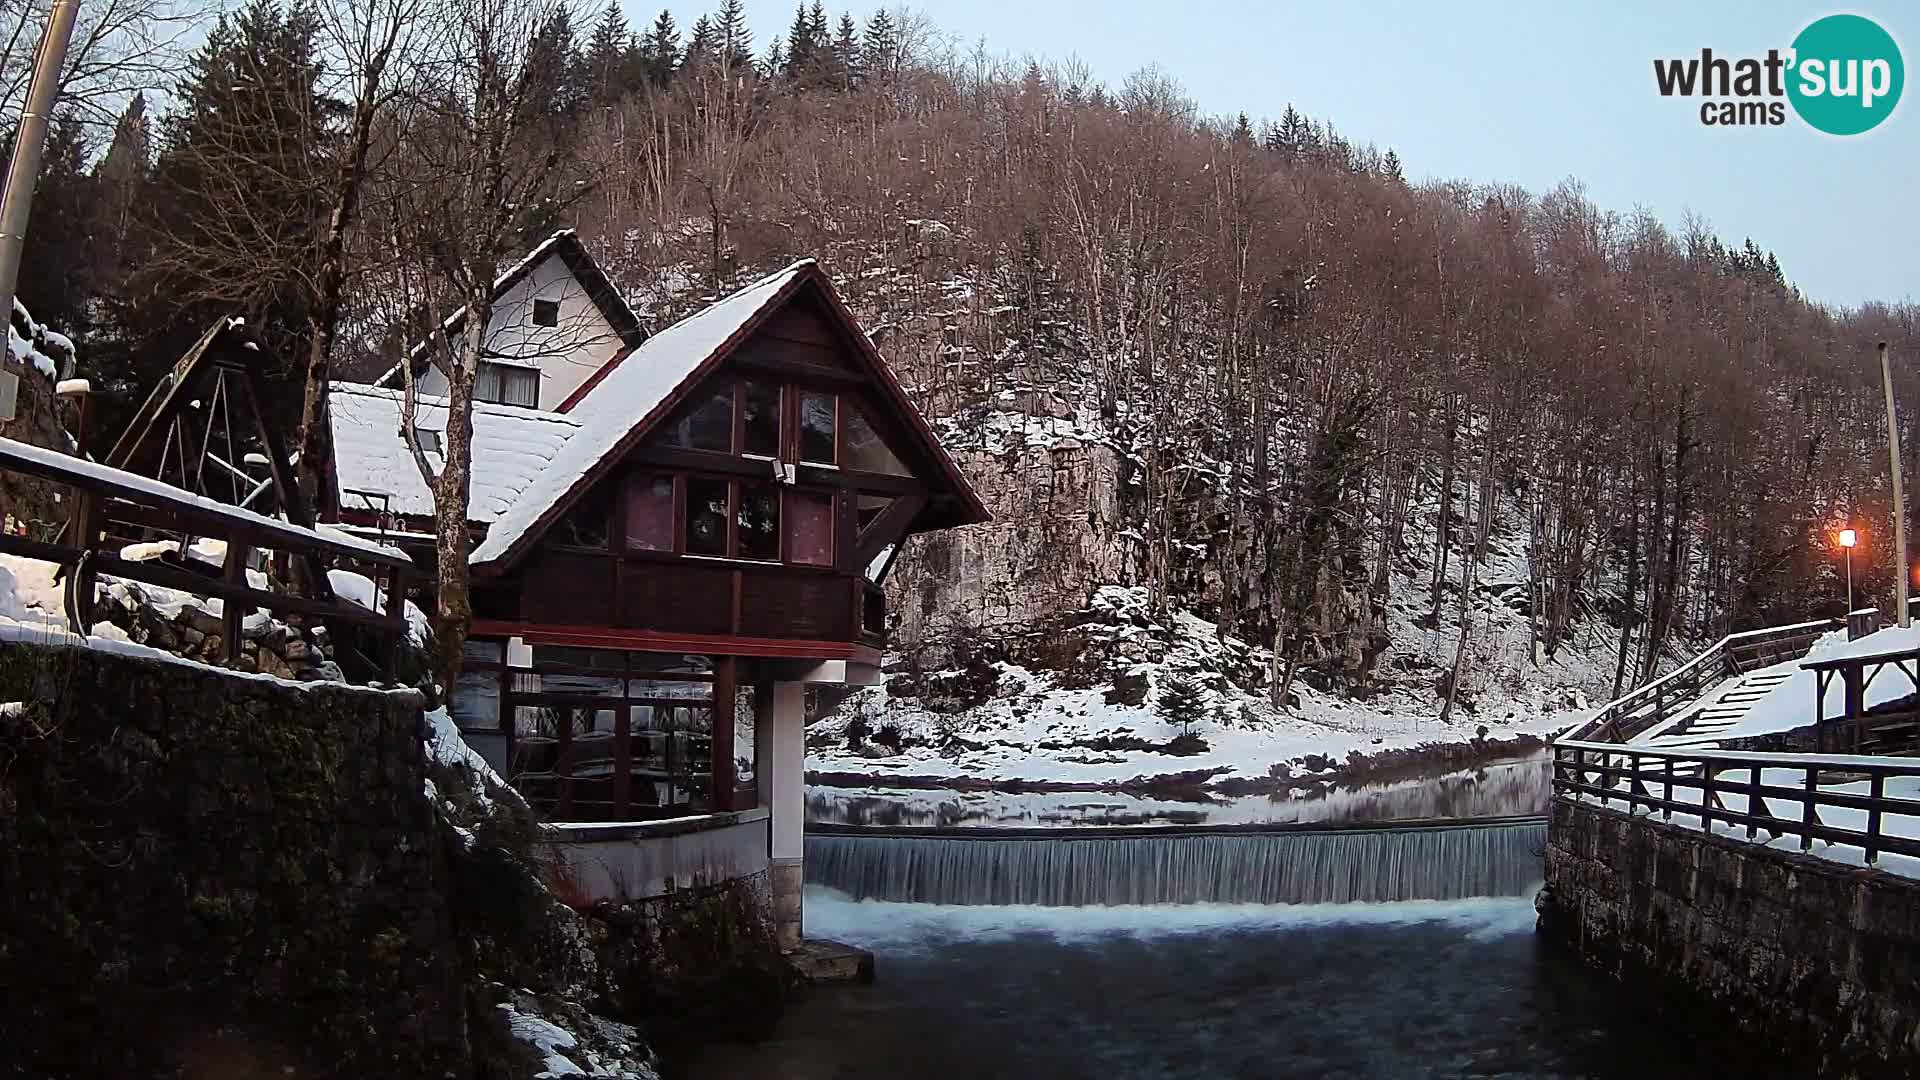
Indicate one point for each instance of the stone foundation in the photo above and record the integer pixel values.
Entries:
(1815, 961)
(787, 879)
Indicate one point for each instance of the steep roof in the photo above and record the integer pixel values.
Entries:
(566, 246)
(632, 393)
(511, 446)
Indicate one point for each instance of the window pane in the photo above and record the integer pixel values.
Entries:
(810, 528)
(520, 386)
(486, 383)
(866, 451)
(650, 513)
(586, 523)
(816, 428)
(706, 516)
(759, 521)
(546, 313)
(709, 425)
(869, 507)
(760, 419)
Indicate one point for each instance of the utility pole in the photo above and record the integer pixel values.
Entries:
(23, 172)
(1899, 498)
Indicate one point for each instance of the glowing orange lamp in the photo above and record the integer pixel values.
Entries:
(1848, 538)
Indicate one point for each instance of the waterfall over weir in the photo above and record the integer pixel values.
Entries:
(1082, 867)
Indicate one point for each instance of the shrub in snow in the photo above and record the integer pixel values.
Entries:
(1180, 702)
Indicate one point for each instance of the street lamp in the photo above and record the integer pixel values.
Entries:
(1848, 538)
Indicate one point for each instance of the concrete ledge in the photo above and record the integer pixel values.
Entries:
(636, 860)
(576, 832)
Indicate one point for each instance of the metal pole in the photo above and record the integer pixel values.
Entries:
(23, 172)
(1899, 497)
(1849, 584)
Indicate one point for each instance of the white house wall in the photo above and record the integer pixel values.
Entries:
(566, 354)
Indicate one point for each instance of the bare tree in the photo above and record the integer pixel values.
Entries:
(369, 38)
(483, 145)
(119, 48)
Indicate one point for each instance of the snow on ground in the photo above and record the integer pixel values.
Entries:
(547, 1040)
(1791, 704)
(32, 611)
(1033, 728)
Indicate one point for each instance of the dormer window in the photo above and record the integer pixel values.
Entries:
(546, 313)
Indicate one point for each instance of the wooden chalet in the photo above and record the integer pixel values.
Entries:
(670, 556)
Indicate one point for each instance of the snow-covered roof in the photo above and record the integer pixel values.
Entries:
(626, 396)
(511, 446)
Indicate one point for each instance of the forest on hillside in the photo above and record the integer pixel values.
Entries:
(1311, 368)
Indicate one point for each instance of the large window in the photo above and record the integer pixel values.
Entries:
(708, 425)
(707, 501)
(759, 521)
(866, 451)
(506, 384)
(760, 419)
(650, 512)
(817, 423)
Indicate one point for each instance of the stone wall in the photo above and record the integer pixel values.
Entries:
(218, 876)
(1816, 961)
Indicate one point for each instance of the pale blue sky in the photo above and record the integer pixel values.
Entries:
(1529, 93)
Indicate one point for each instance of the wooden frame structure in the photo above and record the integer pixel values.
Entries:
(108, 506)
(1859, 726)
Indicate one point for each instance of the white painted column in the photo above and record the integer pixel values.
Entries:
(780, 748)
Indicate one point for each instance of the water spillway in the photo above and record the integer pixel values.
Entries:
(1429, 860)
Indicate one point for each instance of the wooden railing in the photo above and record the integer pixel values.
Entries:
(1698, 784)
(107, 507)
(1654, 702)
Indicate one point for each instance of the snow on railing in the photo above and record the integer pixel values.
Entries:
(1868, 805)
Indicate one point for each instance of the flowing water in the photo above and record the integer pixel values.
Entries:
(1395, 950)
(1397, 991)
(1156, 865)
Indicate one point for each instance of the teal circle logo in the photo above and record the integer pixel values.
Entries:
(1847, 74)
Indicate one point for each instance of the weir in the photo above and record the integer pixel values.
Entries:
(1429, 860)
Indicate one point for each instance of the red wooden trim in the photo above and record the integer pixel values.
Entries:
(974, 511)
(609, 637)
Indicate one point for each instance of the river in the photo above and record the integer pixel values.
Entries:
(1428, 967)
(1400, 990)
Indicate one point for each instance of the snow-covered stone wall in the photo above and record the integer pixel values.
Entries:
(209, 875)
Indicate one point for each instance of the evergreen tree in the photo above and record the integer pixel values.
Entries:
(609, 56)
(1243, 131)
(660, 53)
(802, 47)
(1180, 702)
(776, 62)
(556, 69)
(117, 183)
(703, 44)
(880, 51)
(846, 52)
(230, 220)
(1390, 168)
(1293, 133)
(58, 262)
(733, 37)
